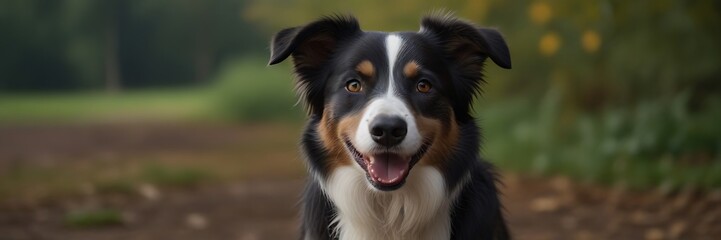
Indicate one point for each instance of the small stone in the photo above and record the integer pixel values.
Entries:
(561, 184)
(654, 234)
(88, 189)
(196, 221)
(710, 217)
(613, 226)
(714, 196)
(615, 196)
(682, 200)
(583, 235)
(41, 215)
(639, 217)
(149, 191)
(545, 204)
(249, 236)
(129, 217)
(569, 222)
(677, 229)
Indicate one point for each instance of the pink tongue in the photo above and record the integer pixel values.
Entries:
(388, 169)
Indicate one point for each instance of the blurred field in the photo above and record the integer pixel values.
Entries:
(58, 108)
(131, 119)
(225, 181)
(176, 163)
(233, 97)
(659, 143)
(42, 163)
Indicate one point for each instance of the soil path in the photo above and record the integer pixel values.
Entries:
(265, 208)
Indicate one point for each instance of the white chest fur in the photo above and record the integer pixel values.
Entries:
(418, 210)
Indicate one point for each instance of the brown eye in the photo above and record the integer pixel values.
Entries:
(353, 85)
(423, 86)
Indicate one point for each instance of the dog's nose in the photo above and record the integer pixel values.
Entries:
(388, 130)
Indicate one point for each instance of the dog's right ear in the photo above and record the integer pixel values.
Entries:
(312, 44)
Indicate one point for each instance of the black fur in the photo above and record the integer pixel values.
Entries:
(317, 213)
(452, 53)
(311, 47)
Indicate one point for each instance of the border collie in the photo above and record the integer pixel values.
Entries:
(390, 144)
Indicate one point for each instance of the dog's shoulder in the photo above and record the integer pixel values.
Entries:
(317, 213)
(477, 212)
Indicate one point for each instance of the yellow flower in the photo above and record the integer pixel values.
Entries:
(540, 12)
(549, 44)
(591, 41)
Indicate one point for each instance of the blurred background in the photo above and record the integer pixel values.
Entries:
(130, 119)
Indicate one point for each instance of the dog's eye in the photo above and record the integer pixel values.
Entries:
(423, 86)
(353, 85)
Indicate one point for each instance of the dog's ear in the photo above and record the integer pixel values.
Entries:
(467, 47)
(496, 47)
(312, 44)
(466, 43)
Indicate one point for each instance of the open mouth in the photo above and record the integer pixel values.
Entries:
(386, 170)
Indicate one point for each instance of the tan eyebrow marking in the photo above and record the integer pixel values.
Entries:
(411, 69)
(366, 68)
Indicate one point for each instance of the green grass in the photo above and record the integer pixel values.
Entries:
(94, 218)
(115, 186)
(174, 177)
(103, 107)
(245, 90)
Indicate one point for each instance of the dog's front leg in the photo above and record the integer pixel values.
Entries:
(317, 214)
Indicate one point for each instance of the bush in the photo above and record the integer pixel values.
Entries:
(654, 143)
(250, 91)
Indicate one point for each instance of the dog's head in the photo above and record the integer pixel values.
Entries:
(389, 101)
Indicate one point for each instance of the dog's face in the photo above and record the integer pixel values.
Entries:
(388, 101)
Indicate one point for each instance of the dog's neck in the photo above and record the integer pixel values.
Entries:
(418, 210)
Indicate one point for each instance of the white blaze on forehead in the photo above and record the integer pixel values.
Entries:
(391, 105)
(393, 47)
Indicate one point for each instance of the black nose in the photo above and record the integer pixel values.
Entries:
(388, 131)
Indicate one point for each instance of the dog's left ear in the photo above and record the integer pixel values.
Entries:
(467, 43)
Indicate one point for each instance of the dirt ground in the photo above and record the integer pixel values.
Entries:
(264, 206)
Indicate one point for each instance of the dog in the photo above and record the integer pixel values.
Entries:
(391, 146)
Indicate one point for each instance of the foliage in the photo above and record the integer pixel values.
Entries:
(607, 90)
(250, 91)
(246, 90)
(94, 218)
(74, 44)
(597, 54)
(149, 104)
(654, 143)
(178, 177)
